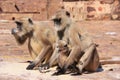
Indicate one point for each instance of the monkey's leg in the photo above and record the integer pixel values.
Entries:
(52, 61)
(47, 57)
(53, 58)
(74, 55)
(86, 59)
(42, 54)
(40, 57)
(94, 62)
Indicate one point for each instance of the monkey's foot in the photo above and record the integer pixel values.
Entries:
(77, 71)
(30, 61)
(59, 72)
(43, 68)
(30, 66)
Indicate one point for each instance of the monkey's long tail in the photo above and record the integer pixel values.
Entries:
(26, 61)
(103, 62)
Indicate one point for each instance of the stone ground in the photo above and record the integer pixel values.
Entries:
(105, 33)
(17, 71)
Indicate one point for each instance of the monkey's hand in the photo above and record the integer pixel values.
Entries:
(59, 72)
(30, 66)
(44, 67)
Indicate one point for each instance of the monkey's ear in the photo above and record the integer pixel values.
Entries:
(67, 13)
(30, 21)
(13, 18)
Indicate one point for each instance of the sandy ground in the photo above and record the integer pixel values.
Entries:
(17, 71)
(105, 33)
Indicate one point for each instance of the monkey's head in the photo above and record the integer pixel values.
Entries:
(62, 46)
(61, 19)
(23, 30)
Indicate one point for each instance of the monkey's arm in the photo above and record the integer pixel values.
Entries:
(54, 57)
(76, 49)
(72, 57)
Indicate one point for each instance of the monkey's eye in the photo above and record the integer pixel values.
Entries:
(65, 45)
(57, 47)
(18, 23)
(57, 20)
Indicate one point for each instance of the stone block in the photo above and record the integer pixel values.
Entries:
(52, 8)
(76, 9)
(55, 1)
(7, 6)
(35, 6)
(96, 10)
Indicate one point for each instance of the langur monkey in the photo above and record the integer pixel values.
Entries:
(41, 38)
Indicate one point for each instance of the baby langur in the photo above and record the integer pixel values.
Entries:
(63, 51)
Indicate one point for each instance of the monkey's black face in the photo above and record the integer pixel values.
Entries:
(19, 25)
(57, 21)
(23, 30)
(61, 19)
(62, 46)
(19, 34)
(17, 29)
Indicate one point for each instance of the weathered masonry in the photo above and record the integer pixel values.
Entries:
(44, 9)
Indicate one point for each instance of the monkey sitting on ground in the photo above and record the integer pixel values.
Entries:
(40, 39)
(83, 50)
(64, 51)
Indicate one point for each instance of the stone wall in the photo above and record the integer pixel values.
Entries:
(36, 9)
(44, 9)
(93, 9)
(9, 49)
